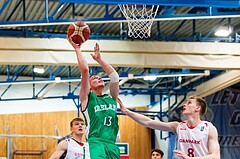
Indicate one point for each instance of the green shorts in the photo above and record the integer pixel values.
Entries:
(102, 149)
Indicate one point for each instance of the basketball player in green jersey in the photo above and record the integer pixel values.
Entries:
(99, 110)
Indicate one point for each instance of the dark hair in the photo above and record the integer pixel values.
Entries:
(75, 119)
(158, 151)
(202, 104)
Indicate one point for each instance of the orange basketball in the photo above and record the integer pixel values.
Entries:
(79, 32)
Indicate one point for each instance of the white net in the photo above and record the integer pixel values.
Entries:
(139, 18)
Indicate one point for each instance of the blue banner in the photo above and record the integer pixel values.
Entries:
(224, 113)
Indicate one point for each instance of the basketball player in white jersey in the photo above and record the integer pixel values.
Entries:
(196, 139)
(73, 148)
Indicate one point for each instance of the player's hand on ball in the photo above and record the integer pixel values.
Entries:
(76, 46)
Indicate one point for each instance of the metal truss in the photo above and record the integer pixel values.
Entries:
(131, 81)
(169, 10)
(201, 3)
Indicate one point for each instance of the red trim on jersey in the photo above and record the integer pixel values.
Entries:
(206, 124)
(191, 127)
(81, 144)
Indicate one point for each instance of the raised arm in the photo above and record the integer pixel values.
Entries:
(147, 122)
(84, 69)
(110, 71)
(61, 148)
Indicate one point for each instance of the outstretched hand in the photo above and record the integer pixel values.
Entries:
(123, 108)
(96, 56)
(181, 153)
(75, 46)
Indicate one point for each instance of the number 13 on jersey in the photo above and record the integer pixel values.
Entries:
(108, 121)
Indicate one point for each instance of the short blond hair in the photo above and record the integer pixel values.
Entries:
(202, 104)
(76, 119)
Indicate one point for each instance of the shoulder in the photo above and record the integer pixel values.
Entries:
(212, 129)
(182, 123)
(180, 126)
(175, 125)
(207, 124)
(63, 144)
(92, 95)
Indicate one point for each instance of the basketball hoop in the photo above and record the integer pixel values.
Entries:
(139, 18)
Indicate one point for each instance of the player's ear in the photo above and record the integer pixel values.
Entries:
(198, 108)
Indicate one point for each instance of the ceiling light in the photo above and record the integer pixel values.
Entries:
(223, 31)
(39, 70)
(180, 79)
(58, 79)
(150, 78)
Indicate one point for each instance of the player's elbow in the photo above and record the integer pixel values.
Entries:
(216, 155)
(142, 122)
(148, 124)
(84, 70)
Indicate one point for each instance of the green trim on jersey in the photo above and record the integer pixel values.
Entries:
(101, 117)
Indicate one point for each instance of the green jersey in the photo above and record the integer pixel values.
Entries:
(101, 118)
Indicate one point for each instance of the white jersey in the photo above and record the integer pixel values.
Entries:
(193, 141)
(77, 150)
